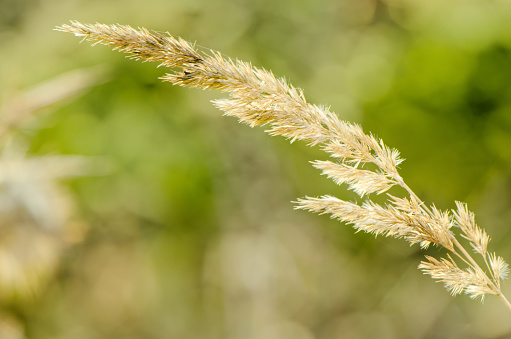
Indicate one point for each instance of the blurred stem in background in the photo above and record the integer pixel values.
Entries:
(36, 210)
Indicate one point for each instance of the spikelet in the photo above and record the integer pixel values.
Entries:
(362, 182)
(499, 268)
(465, 220)
(456, 280)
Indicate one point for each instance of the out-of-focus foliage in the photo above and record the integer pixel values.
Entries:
(177, 222)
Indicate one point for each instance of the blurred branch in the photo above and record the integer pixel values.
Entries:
(18, 109)
(36, 211)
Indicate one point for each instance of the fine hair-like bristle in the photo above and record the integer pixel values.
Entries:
(258, 97)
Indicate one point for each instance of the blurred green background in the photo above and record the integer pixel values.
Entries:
(131, 208)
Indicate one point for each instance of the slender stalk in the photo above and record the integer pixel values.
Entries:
(504, 300)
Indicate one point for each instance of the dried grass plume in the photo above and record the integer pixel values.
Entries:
(257, 97)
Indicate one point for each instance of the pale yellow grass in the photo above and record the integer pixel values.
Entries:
(257, 97)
